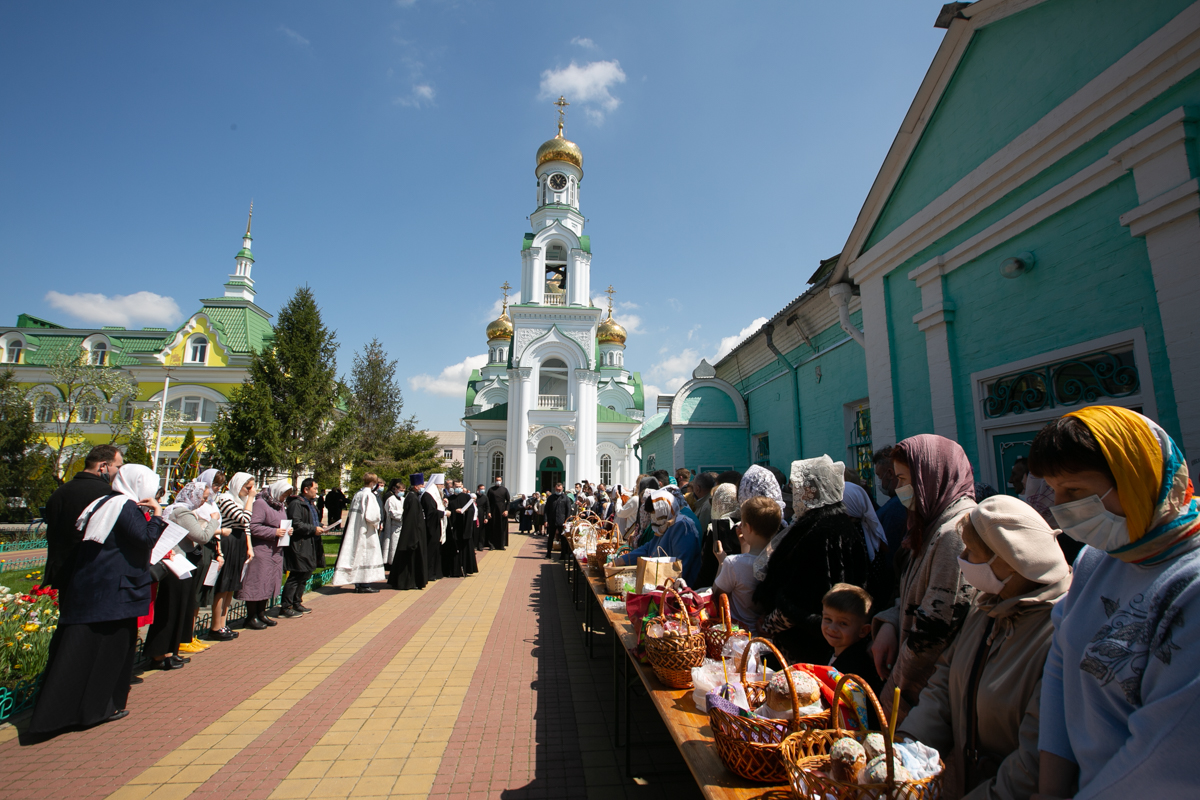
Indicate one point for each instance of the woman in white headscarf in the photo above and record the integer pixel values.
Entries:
(194, 513)
(263, 576)
(823, 546)
(234, 548)
(92, 650)
(675, 534)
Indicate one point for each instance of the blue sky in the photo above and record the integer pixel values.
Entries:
(389, 148)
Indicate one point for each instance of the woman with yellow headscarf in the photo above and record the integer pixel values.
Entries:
(1121, 687)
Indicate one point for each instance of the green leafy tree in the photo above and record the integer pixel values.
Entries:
(298, 373)
(408, 450)
(188, 465)
(26, 473)
(245, 435)
(84, 393)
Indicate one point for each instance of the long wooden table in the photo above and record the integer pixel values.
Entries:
(687, 724)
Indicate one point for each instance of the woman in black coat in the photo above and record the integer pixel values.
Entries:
(822, 547)
(305, 554)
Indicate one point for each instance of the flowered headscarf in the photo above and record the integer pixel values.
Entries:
(725, 501)
(817, 482)
(1161, 510)
(759, 482)
(191, 496)
(664, 505)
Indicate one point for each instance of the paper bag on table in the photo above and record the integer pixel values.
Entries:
(657, 570)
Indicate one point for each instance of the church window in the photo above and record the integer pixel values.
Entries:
(45, 410)
(497, 465)
(88, 412)
(99, 354)
(606, 469)
(198, 351)
(14, 351)
(552, 384)
(194, 409)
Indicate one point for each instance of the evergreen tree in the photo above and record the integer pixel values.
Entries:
(26, 473)
(375, 402)
(188, 465)
(409, 450)
(298, 373)
(454, 472)
(245, 435)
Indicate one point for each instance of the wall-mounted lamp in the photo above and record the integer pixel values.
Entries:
(818, 374)
(1017, 265)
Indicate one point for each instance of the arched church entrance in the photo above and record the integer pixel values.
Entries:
(549, 472)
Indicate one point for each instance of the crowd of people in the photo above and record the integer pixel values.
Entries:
(1044, 641)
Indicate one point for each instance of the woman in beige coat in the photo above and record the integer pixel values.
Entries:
(986, 728)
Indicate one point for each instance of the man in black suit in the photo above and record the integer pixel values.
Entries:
(67, 503)
(558, 510)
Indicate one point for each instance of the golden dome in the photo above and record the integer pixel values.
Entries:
(560, 149)
(500, 328)
(610, 332)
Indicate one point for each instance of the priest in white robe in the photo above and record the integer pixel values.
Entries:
(393, 513)
(360, 559)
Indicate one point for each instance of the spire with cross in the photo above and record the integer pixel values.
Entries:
(505, 289)
(562, 104)
(610, 291)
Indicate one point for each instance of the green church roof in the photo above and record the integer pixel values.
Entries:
(496, 412)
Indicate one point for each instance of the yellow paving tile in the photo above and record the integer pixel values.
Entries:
(218, 743)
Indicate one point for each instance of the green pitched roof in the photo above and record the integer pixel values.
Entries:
(639, 395)
(496, 412)
(655, 422)
(605, 414)
(30, 321)
(475, 378)
(243, 329)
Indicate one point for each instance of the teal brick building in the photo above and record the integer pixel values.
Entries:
(1031, 244)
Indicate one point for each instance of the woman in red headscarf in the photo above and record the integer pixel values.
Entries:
(935, 483)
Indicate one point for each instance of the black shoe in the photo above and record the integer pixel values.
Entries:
(223, 635)
(302, 609)
(165, 664)
(290, 613)
(256, 625)
(136, 679)
(366, 590)
(122, 714)
(181, 660)
(264, 619)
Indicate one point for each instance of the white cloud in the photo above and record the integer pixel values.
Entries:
(452, 382)
(295, 37)
(587, 85)
(632, 323)
(584, 42)
(124, 310)
(730, 342)
(498, 306)
(422, 95)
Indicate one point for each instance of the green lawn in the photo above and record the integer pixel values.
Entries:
(20, 581)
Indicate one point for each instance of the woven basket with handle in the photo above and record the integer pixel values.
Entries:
(806, 758)
(717, 629)
(674, 654)
(750, 747)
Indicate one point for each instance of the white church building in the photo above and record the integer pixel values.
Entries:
(555, 401)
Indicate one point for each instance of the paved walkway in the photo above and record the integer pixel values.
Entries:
(476, 687)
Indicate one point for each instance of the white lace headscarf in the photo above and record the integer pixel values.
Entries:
(725, 501)
(817, 482)
(759, 482)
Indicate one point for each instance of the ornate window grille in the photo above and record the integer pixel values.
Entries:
(860, 444)
(1072, 382)
(606, 469)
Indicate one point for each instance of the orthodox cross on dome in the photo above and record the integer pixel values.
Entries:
(505, 289)
(562, 104)
(610, 291)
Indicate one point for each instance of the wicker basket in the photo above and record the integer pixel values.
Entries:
(805, 756)
(603, 551)
(675, 654)
(717, 629)
(612, 578)
(750, 747)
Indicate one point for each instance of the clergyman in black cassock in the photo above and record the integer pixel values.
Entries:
(408, 565)
(433, 534)
(462, 523)
(498, 499)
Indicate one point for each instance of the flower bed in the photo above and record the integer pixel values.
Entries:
(27, 621)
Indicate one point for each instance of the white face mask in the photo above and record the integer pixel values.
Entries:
(1088, 521)
(905, 493)
(981, 576)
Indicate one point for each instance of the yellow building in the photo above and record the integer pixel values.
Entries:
(206, 357)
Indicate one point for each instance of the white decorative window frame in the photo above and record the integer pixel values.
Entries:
(987, 429)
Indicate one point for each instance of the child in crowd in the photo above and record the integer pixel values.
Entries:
(846, 625)
(735, 576)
